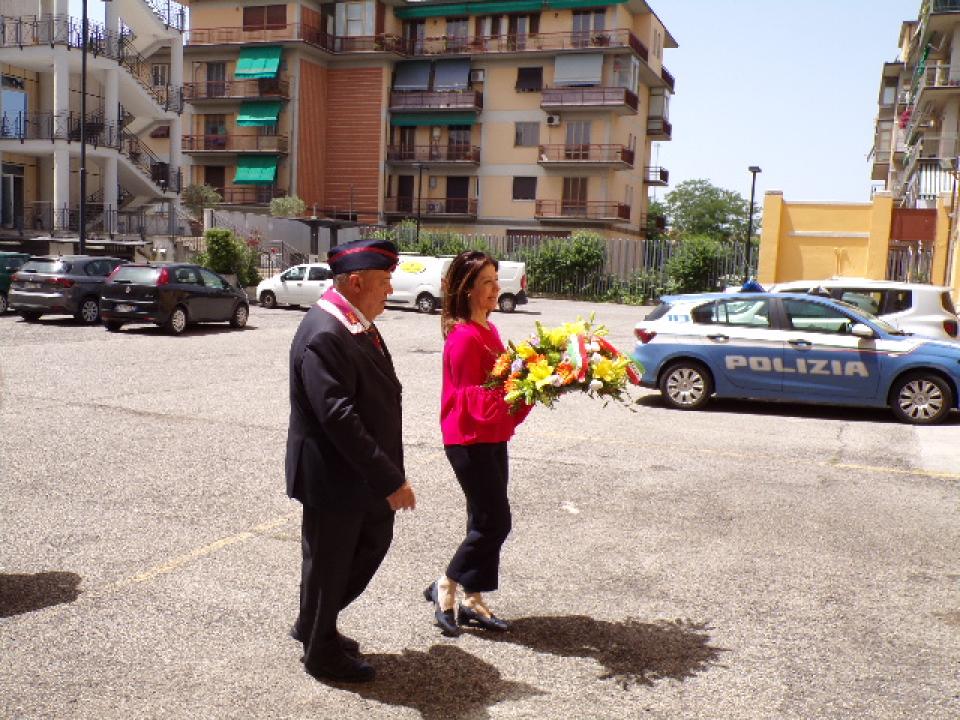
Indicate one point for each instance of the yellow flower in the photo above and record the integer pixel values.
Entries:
(540, 373)
(605, 370)
(525, 350)
(558, 336)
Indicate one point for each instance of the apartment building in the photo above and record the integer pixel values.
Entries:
(918, 118)
(498, 116)
(130, 106)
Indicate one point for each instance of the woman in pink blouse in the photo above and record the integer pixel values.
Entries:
(476, 424)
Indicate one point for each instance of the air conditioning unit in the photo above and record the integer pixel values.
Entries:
(553, 120)
(434, 207)
(477, 75)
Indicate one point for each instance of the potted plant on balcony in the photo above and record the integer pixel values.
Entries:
(600, 39)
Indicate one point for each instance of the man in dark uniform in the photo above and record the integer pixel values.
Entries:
(344, 459)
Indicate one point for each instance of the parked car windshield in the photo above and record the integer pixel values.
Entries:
(47, 265)
(134, 274)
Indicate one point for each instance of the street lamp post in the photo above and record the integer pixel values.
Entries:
(754, 169)
(85, 37)
(420, 167)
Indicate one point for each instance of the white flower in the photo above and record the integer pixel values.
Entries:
(593, 347)
(595, 385)
(555, 380)
(596, 357)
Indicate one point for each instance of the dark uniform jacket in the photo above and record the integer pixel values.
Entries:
(344, 448)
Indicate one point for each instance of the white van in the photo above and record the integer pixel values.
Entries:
(418, 280)
(297, 285)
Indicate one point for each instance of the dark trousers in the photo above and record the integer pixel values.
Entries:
(482, 471)
(341, 553)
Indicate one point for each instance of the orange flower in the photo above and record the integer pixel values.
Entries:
(501, 366)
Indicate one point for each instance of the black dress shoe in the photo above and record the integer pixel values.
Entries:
(348, 644)
(445, 619)
(468, 617)
(342, 668)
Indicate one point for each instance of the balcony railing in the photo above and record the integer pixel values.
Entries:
(62, 126)
(170, 13)
(52, 30)
(383, 42)
(572, 210)
(430, 207)
(658, 127)
(668, 78)
(398, 154)
(230, 143)
(945, 6)
(586, 154)
(414, 100)
(255, 195)
(541, 42)
(655, 175)
(236, 89)
(589, 97)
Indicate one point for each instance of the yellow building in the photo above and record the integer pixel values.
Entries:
(877, 240)
(495, 116)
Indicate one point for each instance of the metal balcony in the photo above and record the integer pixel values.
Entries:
(655, 175)
(619, 100)
(621, 38)
(572, 211)
(659, 128)
(599, 156)
(233, 143)
(433, 154)
(431, 207)
(434, 100)
(273, 88)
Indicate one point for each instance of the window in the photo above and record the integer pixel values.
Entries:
(518, 27)
(216, 79)
(320, 273)
(736, 313)
(626, 72)
(527, 134)
(810, 316)
(577, 146)
(524, 188)
(869, 300)
(356, 18)
(487, 26)
(415, 31)
(186, 276)
(264, 17)
(574, 200)
(889, 96)
(529, 79)
(296, 273)
(658, 43)
(588, 26)
(212, 280)
(457, 31)
(160, 72)
(161, 131)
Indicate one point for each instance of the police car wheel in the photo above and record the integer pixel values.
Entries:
(686, 385)
(921, 398)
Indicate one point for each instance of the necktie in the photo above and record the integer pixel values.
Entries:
(375, 337)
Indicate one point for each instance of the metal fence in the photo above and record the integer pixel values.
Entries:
(910, 262)
(627, 269)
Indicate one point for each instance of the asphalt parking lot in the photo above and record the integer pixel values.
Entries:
(748, 561)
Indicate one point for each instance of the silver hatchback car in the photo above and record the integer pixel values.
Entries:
(924, 310)
(61, 285)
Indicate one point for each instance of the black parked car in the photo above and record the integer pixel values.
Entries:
(171, 295)
(10, 262)
(60, 285)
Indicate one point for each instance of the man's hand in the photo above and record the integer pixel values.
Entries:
(402, 498)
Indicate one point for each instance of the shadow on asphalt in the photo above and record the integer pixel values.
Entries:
(631, 652)
(444, 683)
(796, 410)
(25, 593)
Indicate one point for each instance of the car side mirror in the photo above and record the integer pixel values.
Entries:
(864, 331)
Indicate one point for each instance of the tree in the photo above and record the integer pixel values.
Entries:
(199, 197)
(289, 206)
(229, 255)
(690, 266)
(697, 207)
(656, 219)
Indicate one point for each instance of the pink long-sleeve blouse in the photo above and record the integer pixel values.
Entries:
(469, 412)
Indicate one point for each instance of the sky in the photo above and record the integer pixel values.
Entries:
(789, 86)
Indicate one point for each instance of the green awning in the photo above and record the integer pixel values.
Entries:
(258, 113)
(488, 7)
(420, 119)
(256, 170)
(258, 62)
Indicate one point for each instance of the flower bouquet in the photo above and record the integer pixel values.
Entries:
(572, 357)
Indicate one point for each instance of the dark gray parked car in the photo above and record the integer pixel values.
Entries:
(61, 285)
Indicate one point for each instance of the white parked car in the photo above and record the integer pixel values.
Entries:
(297, 285)
(925, 310)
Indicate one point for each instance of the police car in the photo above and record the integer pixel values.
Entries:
(793, 348)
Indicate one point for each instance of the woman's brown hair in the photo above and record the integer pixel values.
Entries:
(461, 276)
